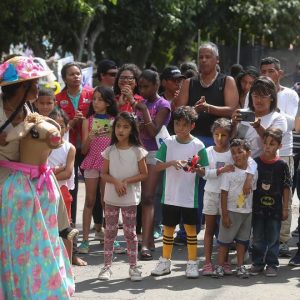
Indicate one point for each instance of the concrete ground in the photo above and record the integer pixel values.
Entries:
(175, 285)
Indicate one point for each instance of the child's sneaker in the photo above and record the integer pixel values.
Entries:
(84, 247)
(162, 268)
(242, 272)
(105, 273)
(218, 272)
(271, 271)
(135, 274)
(295, 261)
(207, 269)
(99, 235)
(227, 268)
(118, 249)
(255, 270)
(192, 269)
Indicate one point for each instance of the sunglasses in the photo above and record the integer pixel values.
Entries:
(112, 74)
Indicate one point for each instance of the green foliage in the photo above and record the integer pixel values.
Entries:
(157, 31)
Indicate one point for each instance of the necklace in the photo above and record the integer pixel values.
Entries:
(211, 82)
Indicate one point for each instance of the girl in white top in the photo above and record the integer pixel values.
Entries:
(220, 161)
(123, 170)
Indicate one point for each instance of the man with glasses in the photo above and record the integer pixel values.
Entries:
(287, 102)
(106, 72)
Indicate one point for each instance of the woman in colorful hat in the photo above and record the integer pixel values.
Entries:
(33, 262)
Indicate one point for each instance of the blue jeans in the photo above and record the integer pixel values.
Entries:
(265, 248)
(207, 141)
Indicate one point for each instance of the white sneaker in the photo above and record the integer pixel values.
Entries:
(99, 235)
(135, 274)
(162, 268)
(246, 259)
(192, 269)
(105, 273)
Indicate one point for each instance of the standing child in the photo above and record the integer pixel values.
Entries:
(96, 137)
(124, 169)
(220, 162)
(62, 160)
(180, 196)
(236, 209)
(45, 102)
(270, 205)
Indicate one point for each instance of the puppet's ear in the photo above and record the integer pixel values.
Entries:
(19, 131)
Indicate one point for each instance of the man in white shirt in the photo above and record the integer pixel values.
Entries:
(287, 102)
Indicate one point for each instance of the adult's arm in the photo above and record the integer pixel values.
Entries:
(183, 97)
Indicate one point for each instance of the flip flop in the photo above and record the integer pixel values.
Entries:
(145, 254)
(77, 261)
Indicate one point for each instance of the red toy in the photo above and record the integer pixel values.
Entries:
(191, 164)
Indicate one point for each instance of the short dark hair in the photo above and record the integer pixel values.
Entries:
(270, 60)
(274, 133)
(43, 91)
(264, 86)
(240, 143)
(222, 123)
(67, 66)
(186, 113)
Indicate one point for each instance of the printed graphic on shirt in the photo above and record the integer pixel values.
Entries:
(102, 127)
(64, 103)
(220, 164)
(241, 201)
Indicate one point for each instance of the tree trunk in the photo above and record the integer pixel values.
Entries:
(80, 39)
(93, 38)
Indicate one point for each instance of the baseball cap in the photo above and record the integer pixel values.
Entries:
(105, 65)
(171, 72)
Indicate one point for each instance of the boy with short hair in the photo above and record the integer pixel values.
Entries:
(180, 195)
(45, 102)
(270, 204)
(236, 209)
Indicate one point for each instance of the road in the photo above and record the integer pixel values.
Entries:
(175, 285)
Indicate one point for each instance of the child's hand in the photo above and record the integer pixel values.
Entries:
(2, 139)
(247, 186)
(227, 169)
(199, 170)
(92, 134)
(226, 220)
(285, 214)
(178, 164)
(121, 188)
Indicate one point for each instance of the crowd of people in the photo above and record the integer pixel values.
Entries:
(227, 163)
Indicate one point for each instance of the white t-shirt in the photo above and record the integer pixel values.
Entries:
(58, 157)
(123, 163)
(217, 160)
(233, 183)
(245, 130)
(180, 187)
(287, 102)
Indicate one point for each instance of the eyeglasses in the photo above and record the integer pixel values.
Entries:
(128, 78)
(112, 74)
(263, 97)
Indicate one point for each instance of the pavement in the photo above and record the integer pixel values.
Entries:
(175, 285)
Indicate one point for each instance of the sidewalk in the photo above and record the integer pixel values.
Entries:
(175, 285)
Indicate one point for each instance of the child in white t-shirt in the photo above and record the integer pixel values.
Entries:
(236, 209)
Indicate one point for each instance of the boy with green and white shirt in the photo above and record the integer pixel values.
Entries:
(180, 191)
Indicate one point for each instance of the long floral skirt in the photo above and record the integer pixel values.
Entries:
(34, 262)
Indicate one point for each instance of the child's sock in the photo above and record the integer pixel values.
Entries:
(168, 240)
(191, 238)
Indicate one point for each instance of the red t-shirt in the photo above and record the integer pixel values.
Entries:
(65, 103)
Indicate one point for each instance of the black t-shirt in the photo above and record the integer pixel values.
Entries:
(273, 177)
(214, 95)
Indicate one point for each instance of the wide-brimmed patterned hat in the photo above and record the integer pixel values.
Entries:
(19, 69)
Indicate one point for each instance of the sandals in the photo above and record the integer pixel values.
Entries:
(145, 254)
